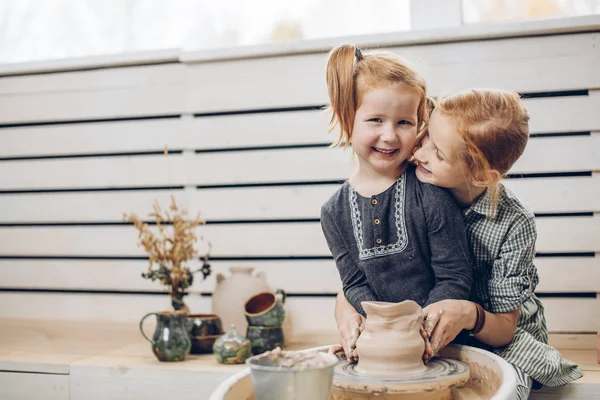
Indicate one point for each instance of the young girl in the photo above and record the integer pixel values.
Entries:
(473, 139)
(392, 237)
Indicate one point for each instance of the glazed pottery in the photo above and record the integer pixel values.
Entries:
(170, 341)
(265, 309)
(391, 343)
(230, 294)
(205, 325)
(264, 338)
(203, 344)
(232, 348)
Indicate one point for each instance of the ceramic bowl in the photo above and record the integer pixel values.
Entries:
(203, 344)
(205, 325)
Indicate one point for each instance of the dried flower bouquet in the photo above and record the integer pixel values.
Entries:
(169, 247)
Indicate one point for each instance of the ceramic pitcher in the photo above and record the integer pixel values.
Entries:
(171, 340)
(391, 343)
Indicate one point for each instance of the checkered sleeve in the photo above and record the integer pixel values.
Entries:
(514, 276)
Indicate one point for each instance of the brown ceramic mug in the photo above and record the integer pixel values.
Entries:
(265, 309)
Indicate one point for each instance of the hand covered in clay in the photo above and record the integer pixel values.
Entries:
(350, 330)
(445, 319)
(428, 353)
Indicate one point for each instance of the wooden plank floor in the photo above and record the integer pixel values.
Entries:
(112, 360)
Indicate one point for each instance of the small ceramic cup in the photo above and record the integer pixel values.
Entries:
(205, 325)
(264, 338)
(265, 309)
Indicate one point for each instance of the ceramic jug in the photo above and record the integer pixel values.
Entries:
(171, 339)
(230, 295)
(391, 343)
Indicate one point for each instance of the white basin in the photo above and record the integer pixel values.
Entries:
(487, 369)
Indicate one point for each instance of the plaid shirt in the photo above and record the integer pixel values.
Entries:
(503, 246)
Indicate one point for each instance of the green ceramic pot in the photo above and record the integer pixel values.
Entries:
(265, 309)
(232, 348)
(264, 338)
(171, 340)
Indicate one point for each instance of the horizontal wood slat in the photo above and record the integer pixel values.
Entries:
(560, 154)
(448, 67)
(543, 195)
(307, 313)
(93, 80)
(245, 130)
(568, 274)
(557, 275)
(564, 114)
(560, 234)
(554, 195)
(267, 82)
(542, 155)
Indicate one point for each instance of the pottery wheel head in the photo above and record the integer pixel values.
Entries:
(440, 373)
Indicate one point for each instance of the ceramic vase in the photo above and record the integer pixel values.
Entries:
(230, 295)
(391, 343)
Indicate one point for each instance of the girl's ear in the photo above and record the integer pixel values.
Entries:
(494, 176)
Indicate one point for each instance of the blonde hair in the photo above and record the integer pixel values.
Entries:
(494, 126)
(350, 72)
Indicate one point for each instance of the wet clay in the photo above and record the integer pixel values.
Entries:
(391, 343)
(481, 385)
(298, 359)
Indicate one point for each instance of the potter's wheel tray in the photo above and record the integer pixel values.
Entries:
(440, 374)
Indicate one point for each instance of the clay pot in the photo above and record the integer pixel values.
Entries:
(391, 343)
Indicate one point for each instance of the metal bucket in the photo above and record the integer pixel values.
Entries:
(274, 382)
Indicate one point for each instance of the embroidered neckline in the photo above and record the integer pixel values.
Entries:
(379, 251)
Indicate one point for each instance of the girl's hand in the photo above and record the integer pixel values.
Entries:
(428, 353)
(445, 319)
(350, 329)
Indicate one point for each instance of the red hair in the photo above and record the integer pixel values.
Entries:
(350, 72)
(494, 126)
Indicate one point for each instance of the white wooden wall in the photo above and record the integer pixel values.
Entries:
(247, 147)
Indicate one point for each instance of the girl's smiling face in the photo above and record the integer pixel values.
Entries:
(439, 158)
(385, 128)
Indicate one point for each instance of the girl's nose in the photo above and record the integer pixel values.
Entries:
(418, 154)
(388, 134)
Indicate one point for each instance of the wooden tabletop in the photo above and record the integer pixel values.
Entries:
(112, 360)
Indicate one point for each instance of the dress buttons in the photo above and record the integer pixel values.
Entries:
(378, 240)
(374, 201)
(377, 221)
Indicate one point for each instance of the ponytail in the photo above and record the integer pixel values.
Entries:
(341, 87)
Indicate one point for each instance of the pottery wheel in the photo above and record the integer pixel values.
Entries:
(439, 374)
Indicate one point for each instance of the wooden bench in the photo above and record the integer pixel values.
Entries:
(238, 135)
